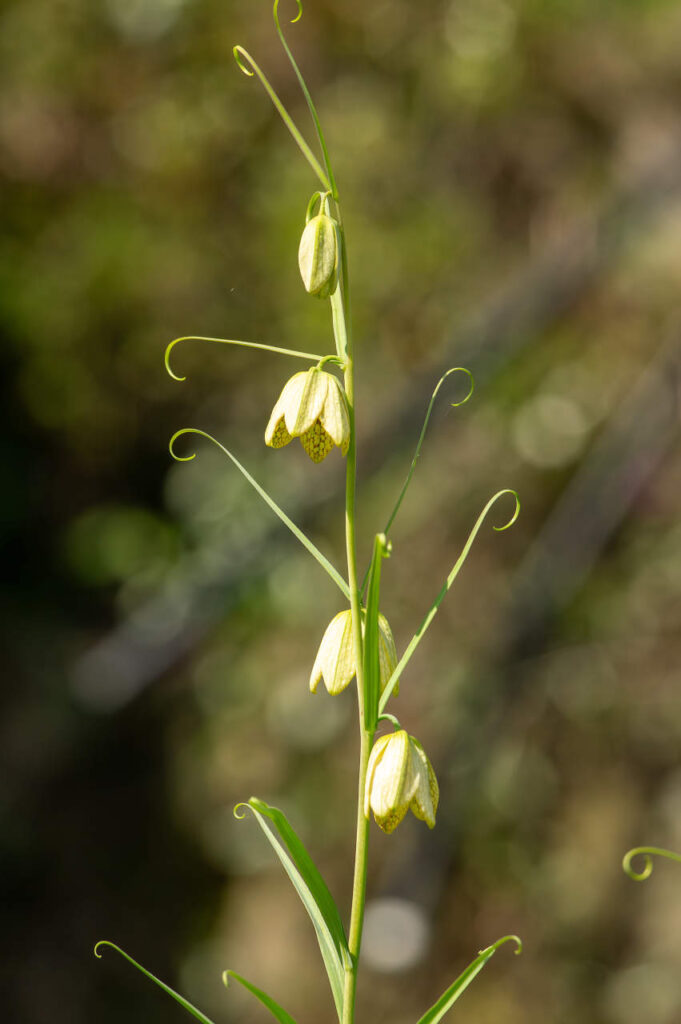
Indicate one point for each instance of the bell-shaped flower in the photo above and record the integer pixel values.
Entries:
(318, 254)
(313, 407)
(400, 778)
(335, 661)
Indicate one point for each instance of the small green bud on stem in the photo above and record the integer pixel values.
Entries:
(318, 253)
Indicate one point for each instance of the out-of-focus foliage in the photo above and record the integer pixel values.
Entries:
(528, 149)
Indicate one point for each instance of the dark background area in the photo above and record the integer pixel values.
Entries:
(511, 179)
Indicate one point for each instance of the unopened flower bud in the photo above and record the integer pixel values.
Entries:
(318, 254)
(313, 407)
(335, 661)
(400, 778)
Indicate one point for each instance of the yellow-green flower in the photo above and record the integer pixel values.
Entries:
(400, 778)
(313, 407)
(335, 661)
(318, 254)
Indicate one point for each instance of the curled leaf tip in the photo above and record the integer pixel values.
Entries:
(169, 348)
(516, 511)
(405, 486)
(239, 54)
(225, 978)
(500, 942)
(240, 809)
(471, 384)
(645, 852)
(637, 876)
(275, 12)
(173, 439)
(102, 942)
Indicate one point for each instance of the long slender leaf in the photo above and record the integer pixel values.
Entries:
(241, 55)
(295, 530)
(450, 995)
(372, 675)
(420, 632)
(189, 1007)
(306, 91)
(312, 356)
(275, 1009)
(419, 445)
(443, 378)
(312, 890)
(307, 867)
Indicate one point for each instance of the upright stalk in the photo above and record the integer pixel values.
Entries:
(362, 833)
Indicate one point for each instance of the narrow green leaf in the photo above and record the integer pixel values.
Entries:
(311, 888)
(241, 55)
(419, 445)
(372, 674)
(295, 530)
(420, 633)
(307, 867)
(306, 91)
(443, 378)
(189, 1007)
(450, 995)
(275, 1009)
(312, 356)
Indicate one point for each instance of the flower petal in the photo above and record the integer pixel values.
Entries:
(303, 399)
(335, 661)
(427, 793)
(393, 782)
(374, 757)
(316, 442)
(276, 434)
(387, 653)
(334, 414)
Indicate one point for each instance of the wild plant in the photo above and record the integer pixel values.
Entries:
(316, 406)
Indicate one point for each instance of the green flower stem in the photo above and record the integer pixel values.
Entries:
(341, 319)
(366, 737)
(359, 881)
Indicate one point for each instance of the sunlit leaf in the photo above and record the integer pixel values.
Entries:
(189, 1007)
(311, 888)
(295, 530)
(432, 611)
(311, 356)
(450, 995)
(275, 1009)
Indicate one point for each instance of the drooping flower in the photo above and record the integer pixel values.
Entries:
(313, 407)
(318, 254)
(335, 661)
(400, 778)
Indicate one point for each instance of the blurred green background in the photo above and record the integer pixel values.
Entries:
(511, 178)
